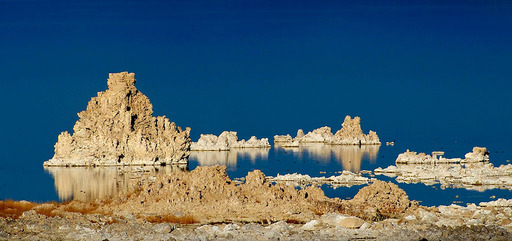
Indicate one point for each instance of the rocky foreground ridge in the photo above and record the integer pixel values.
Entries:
(225, 141)
(206, 204)
(118, 128)
(349, 134)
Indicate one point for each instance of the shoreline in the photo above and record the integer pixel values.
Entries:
(256, 209)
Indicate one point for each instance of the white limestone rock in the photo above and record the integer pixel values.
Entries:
(283, 138)
(118, 128)
(479, 154)
(352, 134)
(474, 172)
(320, 135)
(501, 202)
(225, 141)
(345, 179)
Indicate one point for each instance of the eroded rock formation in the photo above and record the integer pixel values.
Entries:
(345, 179)
(479, 154)
(225, 141)
(349, 134)
(474, 172)
(380, 199)
(210, 195)
(118, 128)
(352, 134)
(322, 135)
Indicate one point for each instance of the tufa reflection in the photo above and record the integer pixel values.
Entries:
(350, 156)
(90, 183)
(229, 158)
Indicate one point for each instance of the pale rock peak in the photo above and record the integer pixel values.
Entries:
(118, 128)
(350, 134)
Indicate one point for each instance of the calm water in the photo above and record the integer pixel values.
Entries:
(44, 184)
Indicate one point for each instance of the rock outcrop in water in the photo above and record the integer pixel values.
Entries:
(345, 179)
(118, 128)
(352, 134)
(225, 141)
(320, 135)
(479, 154)
(474, 172)
(349, 134)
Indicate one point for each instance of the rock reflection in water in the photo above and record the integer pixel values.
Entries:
(90, 183)
(229, 158)
(350, 156)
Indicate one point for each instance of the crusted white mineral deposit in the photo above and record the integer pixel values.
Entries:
(352, 134)
(345, 179)
(474, 172)
(225, 141)
(479, 154)
(349, 134)
(118, 128)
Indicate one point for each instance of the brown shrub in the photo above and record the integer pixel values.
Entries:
(79, 207)
(187, 219)
(14, 209)
(293, 221)
(47, 209)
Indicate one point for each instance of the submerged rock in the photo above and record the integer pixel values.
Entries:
(345, 179)
(225, 141)
(118, 128)
(349, 134)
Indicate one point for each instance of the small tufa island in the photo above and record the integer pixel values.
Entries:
(349, 134)
(118, 128)
(225, 141)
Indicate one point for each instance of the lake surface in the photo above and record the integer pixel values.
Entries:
(35, 183)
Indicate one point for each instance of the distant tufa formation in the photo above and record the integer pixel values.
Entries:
(479, 154)
(349, 134)
(225, 141)
(118, 128)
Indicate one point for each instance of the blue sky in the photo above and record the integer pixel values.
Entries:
(411, 69)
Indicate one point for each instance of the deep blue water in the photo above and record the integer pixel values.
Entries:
(32, 182)
(323, 160)
(428, 75)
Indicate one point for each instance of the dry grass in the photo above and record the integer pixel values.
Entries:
(47, 209)
(79, 207)
(14, 209)
(187, 219)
